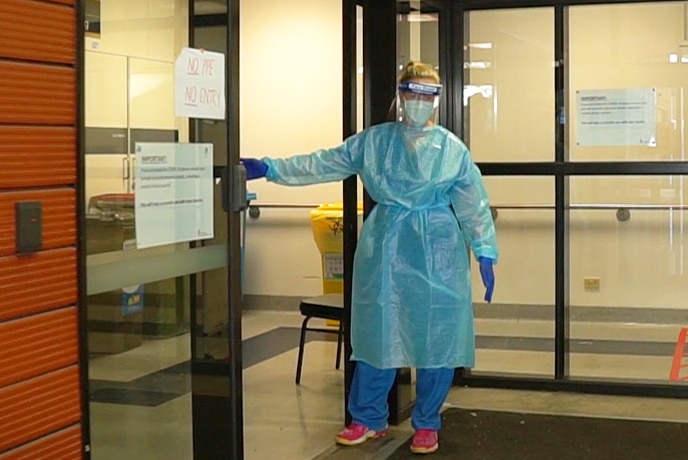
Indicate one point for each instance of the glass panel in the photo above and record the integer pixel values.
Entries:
(283, 263)
(509, 89)
(140, 301)
(515, 334)
(628, 276)
(213, 131)
(206, 7)
(359, 75)
(635, 64)
(212, 291)
(417, 36)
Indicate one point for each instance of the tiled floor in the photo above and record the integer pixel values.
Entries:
(286, 421)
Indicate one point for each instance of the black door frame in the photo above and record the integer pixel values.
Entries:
(453, 20)
(561, 169)
(350, 185)
(82, 299)
(217, 386)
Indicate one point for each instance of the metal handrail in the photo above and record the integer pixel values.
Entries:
(622, 210)
(254, 208)
(594, 206)
(503, 206)
(284, 205)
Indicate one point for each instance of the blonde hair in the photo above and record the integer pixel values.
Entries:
(414, 70)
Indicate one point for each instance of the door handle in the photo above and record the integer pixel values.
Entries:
(234, 199)
(240, 201)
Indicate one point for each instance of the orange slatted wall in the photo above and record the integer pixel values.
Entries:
(40, 397)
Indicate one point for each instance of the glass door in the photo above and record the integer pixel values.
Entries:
(582, 141)
(163, 250)
(507, 60)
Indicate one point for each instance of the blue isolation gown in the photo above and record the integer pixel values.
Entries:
(412, 304)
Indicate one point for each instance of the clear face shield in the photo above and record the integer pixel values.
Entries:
(418, 103)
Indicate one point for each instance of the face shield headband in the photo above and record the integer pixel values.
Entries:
(421, 89)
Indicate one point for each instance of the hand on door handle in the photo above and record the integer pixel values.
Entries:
(255, 169)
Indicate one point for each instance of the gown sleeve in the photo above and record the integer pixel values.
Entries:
(326, 165)
(472, 209)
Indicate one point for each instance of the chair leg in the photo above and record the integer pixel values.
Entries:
(340, 338)
(302, 343)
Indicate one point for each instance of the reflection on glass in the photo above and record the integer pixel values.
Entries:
(205, 7)
(628, 273)
(418, 39)
(515, 334)
(359, 75)
(212, 333)
(138, 326)
(474, 90)
(213, 131)
(212, 310)
(509, 84)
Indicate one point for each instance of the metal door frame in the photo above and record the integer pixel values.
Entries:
(561, 169)
(217, 387)
(227, 437)
(453, 17)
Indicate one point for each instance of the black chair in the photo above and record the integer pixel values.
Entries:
(328, 306)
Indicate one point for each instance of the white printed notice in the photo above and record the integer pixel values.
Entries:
(199, 84)
(174, 193)
(617, 117)
(334, 266)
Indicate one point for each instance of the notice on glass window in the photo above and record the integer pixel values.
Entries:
(199, 84)
(617, 117)
(174, 193)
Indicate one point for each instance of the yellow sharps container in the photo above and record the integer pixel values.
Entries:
(327, 221)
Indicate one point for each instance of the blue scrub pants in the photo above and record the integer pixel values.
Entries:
(368, 396)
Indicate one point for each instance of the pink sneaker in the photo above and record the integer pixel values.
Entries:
(424, 442)
(356, 434)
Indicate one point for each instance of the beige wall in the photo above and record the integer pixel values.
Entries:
(640, 262)
(291, 99)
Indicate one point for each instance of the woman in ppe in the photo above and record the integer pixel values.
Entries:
(412, 303)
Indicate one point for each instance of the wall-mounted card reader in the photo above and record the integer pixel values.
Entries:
(29, 226)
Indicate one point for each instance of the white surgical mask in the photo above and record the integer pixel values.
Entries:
(418, 113)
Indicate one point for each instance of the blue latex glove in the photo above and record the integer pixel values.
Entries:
(255, 169)
(488, 276)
